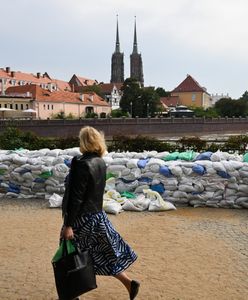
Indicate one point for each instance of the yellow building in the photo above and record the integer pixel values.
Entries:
(190, 93)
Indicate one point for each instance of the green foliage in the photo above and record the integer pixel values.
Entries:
(90, 115)
(60, 115)
(93, 88)
(236, 143)
(244, 96)
(138, 144)
(161, 92)
(118, 113)
(201, 112)
(191, 143)
(226, 107)
(137, 101)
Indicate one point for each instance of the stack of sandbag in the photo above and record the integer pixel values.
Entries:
(216, 179)
(34, 174)
(185, 179)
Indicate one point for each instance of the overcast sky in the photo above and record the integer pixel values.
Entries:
(207, 39)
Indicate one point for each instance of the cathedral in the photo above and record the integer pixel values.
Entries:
(117, 62)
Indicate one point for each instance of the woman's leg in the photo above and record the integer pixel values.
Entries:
(125, 280)
(131, 285)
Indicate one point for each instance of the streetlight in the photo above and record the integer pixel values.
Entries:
(131, 108)
(147, 109)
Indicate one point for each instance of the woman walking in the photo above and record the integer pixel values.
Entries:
(84, 218)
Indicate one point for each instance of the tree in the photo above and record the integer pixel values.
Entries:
(244, 96)
(229, 107)
(131, 95)
(162, 92)
(93, 88)
(138, 101)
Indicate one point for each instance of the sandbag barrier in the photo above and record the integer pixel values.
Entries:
(208, 179)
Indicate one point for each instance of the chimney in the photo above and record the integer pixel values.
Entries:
(38, 75)
(12, 74)
(3, 88)
(81, 96)
(91, 97)
(7, 69)
(50, 87)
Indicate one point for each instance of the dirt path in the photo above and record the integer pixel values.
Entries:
(188, 254)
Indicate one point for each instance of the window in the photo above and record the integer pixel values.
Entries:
(48, 106)
(16, 106)
(26, 106)
(11, 106)
(52, 106)
(21, 106)
(0, 105)
(5, 105)
(44, 106)
(193, 97)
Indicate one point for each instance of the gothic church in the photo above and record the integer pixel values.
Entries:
(117, 62)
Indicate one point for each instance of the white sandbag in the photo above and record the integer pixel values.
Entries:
(55, 200)
(132, 163)
(112, 207)
(176, 170)
(157, 202)
(110, 184)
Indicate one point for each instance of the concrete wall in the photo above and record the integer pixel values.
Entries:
(136, 126)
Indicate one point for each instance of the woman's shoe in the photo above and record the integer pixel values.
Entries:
(134, 289)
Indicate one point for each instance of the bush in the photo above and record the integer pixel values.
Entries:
(191, 143)
(138, 144)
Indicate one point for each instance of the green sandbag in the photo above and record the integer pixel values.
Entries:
(109, 175)
(171, 156)
(187, 155)
(245, 157)
(128, 195)
(70, 249)
(46, 174)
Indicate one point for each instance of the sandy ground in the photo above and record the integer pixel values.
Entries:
(185, 254)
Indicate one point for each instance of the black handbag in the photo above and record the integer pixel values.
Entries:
(74, 274)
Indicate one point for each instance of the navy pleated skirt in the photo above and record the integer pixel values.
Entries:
(111, 254)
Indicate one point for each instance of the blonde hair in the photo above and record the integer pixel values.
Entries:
(91, 140)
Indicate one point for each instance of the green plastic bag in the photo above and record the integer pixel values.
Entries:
(245, 157)
(187, 155)
(70, 249)
(128, 195)
(171, 156)
(46, 174)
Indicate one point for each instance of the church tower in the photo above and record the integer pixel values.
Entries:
(117, 63)
(136, 67)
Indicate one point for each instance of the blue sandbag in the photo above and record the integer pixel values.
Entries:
(199, 169)
(142, 162)
(158, 188)
(164, 170)
(223, 174)
(204, 156)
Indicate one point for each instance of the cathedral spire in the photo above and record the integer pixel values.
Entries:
(135, 44)
(117, 44)
(136, 65)
(117, 61)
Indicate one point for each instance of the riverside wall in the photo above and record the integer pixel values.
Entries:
(132, 126)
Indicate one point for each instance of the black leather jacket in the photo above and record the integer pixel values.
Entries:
(84, 188)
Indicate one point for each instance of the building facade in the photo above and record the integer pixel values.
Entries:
(47, 104)
(190, 93)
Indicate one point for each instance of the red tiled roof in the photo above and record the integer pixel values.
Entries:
(30, 78)
(43, 95)
(108, 87)
(86, 81)
(170, 101)
(189, 85)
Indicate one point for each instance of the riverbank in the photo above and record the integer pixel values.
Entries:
(188, 254)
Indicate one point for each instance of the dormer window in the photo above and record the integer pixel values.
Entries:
(12, 82)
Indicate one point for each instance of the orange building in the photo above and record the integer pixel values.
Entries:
(190, 93)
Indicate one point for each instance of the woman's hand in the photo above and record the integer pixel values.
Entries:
(67, 233)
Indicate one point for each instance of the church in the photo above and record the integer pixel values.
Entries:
(117, 62)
